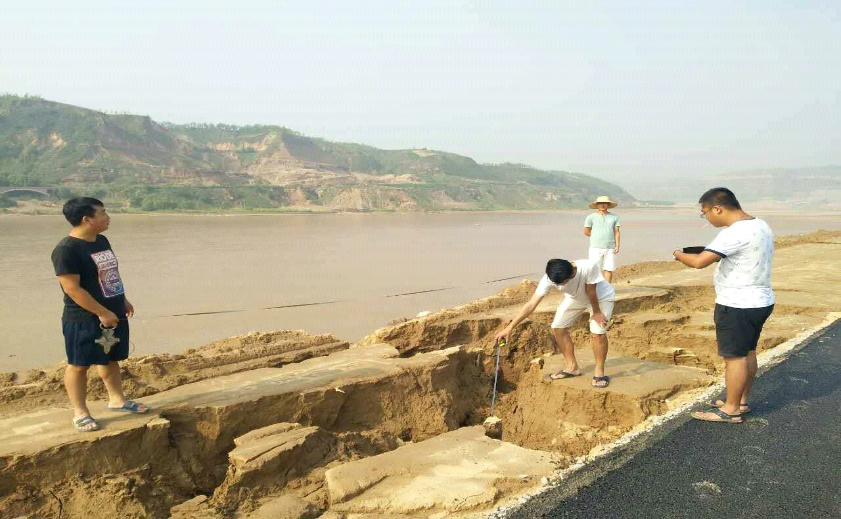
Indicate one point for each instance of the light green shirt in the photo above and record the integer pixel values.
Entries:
(601, 235)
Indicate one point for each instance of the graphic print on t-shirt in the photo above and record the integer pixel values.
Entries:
(109, 275)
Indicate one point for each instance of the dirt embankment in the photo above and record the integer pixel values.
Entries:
(149, 374)
(227, 445)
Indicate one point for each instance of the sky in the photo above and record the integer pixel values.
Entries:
(620, 90)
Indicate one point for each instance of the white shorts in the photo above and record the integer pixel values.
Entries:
(570, 310)
(604, 258)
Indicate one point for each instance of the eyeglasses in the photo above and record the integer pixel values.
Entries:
(704, 213)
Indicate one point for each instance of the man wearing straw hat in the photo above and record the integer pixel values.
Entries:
(603, 229)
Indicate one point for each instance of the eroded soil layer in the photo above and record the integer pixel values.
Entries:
(292, 425)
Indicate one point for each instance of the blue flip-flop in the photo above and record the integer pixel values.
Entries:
(80, 423)
(131, 407)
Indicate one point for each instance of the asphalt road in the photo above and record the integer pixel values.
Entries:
(783, 461)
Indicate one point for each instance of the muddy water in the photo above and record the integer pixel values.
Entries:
(194, 279)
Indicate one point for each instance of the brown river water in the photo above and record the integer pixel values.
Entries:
(195, 279)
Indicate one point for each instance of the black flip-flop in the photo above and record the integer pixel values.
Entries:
(742, 409)
(606, 379)
(723, 417)
(560, 375)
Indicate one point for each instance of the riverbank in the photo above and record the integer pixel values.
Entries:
(28, 208)
(196, 279)
(342, 419)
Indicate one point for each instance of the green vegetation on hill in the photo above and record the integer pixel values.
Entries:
(139, 164)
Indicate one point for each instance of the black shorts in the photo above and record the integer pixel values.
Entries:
(83, 351)
(737, 329)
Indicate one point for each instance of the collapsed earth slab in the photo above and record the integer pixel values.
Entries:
(361, 389)
(42, 447)
(572, 416)
(453, 472)
(42, 457)
(366, 389)
(285, 507)
(264, 460)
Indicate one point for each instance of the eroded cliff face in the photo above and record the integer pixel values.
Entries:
(262, 167)
(287, 423)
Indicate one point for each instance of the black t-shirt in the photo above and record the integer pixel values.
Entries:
(96, 265)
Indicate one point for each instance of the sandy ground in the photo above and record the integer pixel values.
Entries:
(218, 430)
(149, 374)
(25, 390)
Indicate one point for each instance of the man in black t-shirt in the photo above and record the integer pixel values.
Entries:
(94, 300)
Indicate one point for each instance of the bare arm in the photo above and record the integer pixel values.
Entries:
(597, 316)
(616, 238)
(587, 231)
(524, 312)
(70, 285)
(697, 261)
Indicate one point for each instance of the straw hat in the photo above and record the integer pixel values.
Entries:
(603, 199)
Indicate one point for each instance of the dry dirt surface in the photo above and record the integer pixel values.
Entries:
(288, 424)
(154, 373)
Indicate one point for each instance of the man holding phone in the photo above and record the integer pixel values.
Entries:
(744, 299)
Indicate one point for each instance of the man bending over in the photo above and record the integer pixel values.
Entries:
(584, 289)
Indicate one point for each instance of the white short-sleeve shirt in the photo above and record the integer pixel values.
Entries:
(743, 276)
(587, 273)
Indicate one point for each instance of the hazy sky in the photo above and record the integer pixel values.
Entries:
(606, 88)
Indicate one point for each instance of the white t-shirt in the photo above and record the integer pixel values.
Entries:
(743, 276)
(587, 273)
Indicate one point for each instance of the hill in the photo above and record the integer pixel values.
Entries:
(795, 188)
(139, 164)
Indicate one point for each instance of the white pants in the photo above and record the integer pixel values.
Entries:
(604, 258)
(570, 310)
